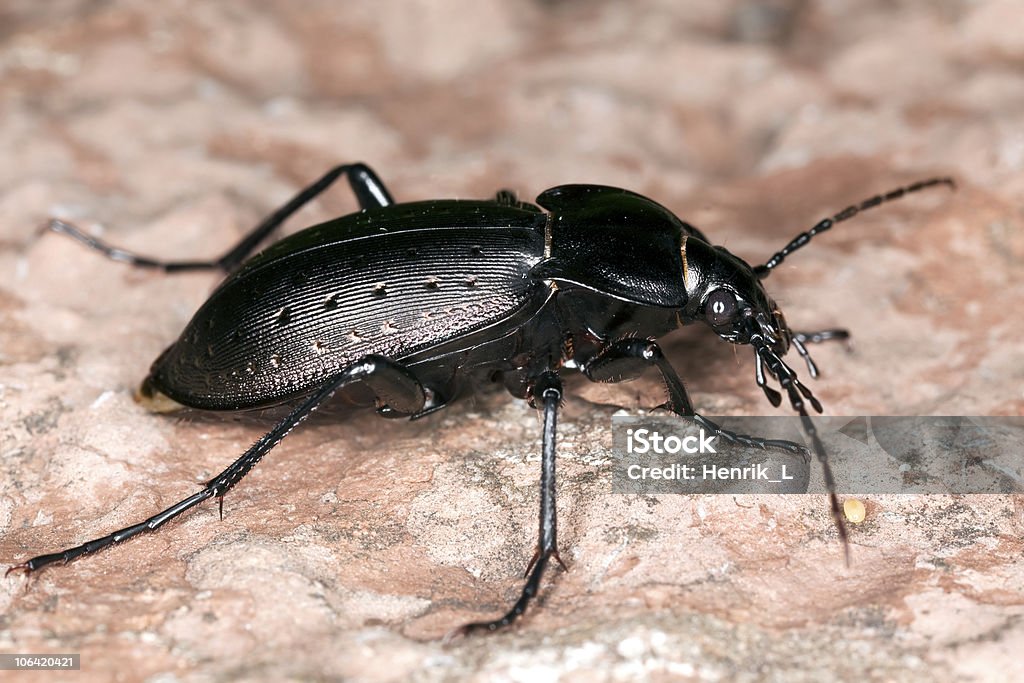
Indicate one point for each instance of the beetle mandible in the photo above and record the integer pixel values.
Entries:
(409, 305)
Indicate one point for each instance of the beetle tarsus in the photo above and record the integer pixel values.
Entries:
(536, 556)
(122, 255)
(368, 188)
(23, 568)
(548, 388)
(528, 593)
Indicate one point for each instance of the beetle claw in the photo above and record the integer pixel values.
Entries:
(23, 568)
(536, 556)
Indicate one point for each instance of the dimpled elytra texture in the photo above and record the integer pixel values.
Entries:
(357, 544)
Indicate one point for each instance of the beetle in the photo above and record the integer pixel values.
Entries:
(406, 306)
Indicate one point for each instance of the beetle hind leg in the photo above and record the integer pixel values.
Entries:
(392, 383)
(368, 188)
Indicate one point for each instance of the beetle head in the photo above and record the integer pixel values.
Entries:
(726, 293)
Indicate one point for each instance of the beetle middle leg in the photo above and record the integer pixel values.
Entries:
(627, 358)
(393, 385)
(546, 392)
(368, 188)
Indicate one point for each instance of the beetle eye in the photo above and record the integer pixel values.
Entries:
(721, 307)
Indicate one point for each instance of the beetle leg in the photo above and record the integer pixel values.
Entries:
(548, 389)
(395, 383)
(627, 358)
(368, 188)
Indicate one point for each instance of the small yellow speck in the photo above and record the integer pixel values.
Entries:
(854, 510)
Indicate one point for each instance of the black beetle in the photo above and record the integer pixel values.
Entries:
(406, 306)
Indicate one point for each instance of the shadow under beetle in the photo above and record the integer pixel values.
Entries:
(406, 306)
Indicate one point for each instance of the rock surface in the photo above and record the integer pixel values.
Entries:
(358, 543)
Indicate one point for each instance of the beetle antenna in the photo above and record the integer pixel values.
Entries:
(792, 386)
(803, 238)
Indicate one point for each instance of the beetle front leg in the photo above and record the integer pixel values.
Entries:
(391, 382)
(627, 358)
(368, 188)
(547, 391)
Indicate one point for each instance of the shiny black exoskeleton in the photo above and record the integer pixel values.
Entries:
(406, 306)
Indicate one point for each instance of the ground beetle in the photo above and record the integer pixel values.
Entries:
(406, 306)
